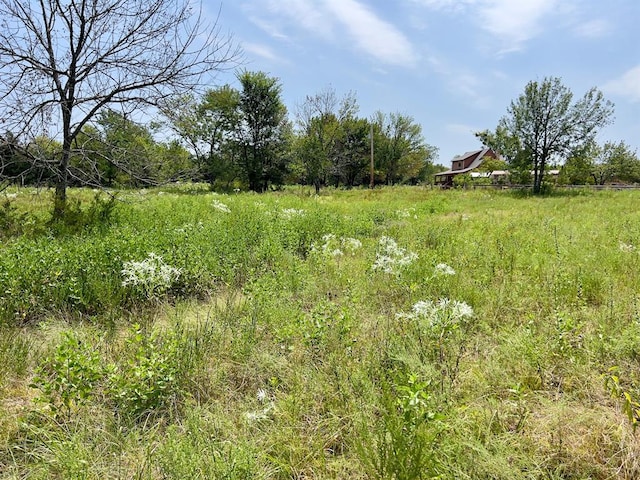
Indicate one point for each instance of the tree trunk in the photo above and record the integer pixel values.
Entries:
(60, 198)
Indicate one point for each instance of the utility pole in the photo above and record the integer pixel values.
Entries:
(371, 181)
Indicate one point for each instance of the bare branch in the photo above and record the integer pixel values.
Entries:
(61, 62)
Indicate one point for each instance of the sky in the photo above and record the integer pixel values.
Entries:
(452, 65)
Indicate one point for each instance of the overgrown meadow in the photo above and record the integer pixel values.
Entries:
(399, 333)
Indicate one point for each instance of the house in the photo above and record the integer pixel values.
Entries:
(464, 163)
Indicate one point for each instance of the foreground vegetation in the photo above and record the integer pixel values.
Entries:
(396, 333)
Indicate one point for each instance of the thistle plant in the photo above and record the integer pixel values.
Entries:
(443, 330)
(289, 213)
(333, 246)
(151, 275)
(390, 258)
(263, 413)
(444, 269)
(218, 205)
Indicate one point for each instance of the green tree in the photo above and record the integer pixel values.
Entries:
(510, 148)
(353, 152)
(128, 146)
(401, 152)
(172, 161)
(209, 129)
(549, 125)
(319, 120)
(264, 132)
(490, 164)
(62, 62)
(578, 168)
(615, 161)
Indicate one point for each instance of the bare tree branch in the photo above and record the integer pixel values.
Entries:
(61, 62)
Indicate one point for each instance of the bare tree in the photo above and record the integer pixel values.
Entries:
(61, 62)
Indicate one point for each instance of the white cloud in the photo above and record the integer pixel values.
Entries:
(371, 34)
(514, 22)
(511, 22)
(331, 20)
(272, 29)
(447, 5)
(627, 85)
(303, 14)
(262, 51)
(593, 29)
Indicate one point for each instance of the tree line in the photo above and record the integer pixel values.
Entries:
(233, 137)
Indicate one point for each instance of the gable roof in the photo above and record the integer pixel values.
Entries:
(477, 155)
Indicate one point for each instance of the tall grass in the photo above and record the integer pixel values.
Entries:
(297, 336)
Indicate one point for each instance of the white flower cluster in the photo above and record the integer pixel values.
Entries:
(289, 213)
(152, 274)
(627, 247)
(333, 246)
(442, 312)
(263, 413)
(407, 213)
(218, 205)
(390, 257)
(444, 269)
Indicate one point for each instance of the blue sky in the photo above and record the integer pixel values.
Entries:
(454, 66)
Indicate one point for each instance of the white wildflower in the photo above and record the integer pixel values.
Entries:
(461, 309)
(444, 269)
(423, 308)
(218, 205)
(390, 257)
(351, 244)
(333, 246)
(441, 314)
(407, 213)
(152, 274)
(262, 395)
(262, 414)
(627, 247)
(290, 213)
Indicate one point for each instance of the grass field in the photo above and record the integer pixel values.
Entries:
(399, 333)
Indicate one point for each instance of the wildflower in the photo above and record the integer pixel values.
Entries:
(444, 269)
(262, 395)
(626, 247)
(462, 310)
(406, 213)
(390, 257)
(289, 213)
(444, 312)
(351, 244)
(152, 274)
(262, 414)
(218, 205)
